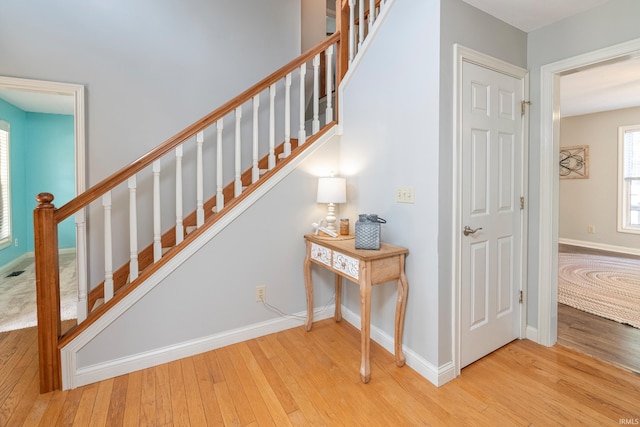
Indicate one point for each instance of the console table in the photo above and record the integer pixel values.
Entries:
(367, 268)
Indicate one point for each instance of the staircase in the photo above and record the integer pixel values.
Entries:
(251, 166)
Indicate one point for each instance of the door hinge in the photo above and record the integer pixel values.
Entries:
(523, 105)
(521, 203)
(521, 298)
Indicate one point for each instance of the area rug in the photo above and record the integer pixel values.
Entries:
(605, 286)
(18, 294)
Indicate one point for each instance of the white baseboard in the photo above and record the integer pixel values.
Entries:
(600, 246)
(29, 255)
(436, 375)
(126, 365)
(10, 266)
(532, 334)
(102, 371)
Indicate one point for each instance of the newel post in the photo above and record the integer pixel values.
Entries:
(342, 25)
(45, 231)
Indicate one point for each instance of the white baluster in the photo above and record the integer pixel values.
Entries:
(287, 115)
(179, 224)
(108, 251)
(302, 135)
(272, 127)
(361, 24)
(133, 230)
(157, 232)
(352, 32)
(329, 111)
(372, 13)
(219, 183)
(315, 123)
(199, 180)
(81, 265)
(237, 188)
(255, 171)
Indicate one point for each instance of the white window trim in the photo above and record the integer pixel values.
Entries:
(623, 209)
(6, 241)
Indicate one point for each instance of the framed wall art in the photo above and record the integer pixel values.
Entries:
(574, 162)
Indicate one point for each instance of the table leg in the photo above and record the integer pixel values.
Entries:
(309, 287)
(338, 315)
(401, 307)
(365, 323)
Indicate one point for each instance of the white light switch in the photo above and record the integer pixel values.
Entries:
(405, 195)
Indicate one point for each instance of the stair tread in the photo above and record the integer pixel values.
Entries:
(99, 302)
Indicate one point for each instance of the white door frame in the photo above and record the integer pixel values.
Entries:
(55, 88)
(77, 92)
(549, 181)
(464, 54)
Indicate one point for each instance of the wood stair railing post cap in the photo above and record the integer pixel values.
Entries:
(44, 201)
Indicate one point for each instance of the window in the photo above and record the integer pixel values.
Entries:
(629, 179)
(5, 186)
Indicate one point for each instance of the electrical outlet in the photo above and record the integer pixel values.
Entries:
(591, 229)
(15, 243)
(404, 195)
(261, 293)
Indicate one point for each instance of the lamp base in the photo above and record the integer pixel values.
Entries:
(331, 217)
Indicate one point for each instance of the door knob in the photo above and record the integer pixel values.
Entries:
(468, 230)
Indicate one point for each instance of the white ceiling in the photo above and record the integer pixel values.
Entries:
(38, 102)
(529, 15)
(601, 88)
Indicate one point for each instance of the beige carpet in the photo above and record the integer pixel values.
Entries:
(18, 294)
(605, 286)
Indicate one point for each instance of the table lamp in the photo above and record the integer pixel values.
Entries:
(332, 190)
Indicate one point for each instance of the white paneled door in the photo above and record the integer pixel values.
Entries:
(491, 238)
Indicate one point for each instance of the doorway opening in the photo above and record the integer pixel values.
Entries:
(53, 114)
(549, 177)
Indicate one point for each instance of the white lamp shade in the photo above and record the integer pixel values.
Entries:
(332, 190)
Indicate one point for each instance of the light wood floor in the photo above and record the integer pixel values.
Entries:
(299, 378)
(596, 336)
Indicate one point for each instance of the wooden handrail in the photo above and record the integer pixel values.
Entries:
(125, 173)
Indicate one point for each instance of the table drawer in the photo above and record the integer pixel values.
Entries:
(346, 264)
(321, 254)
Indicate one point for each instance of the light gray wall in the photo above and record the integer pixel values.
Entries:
(474, 29)
(607, 25)
(594, 201)
(150, 69)
(390, 108)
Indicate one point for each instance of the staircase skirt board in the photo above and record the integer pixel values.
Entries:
(69, 350)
